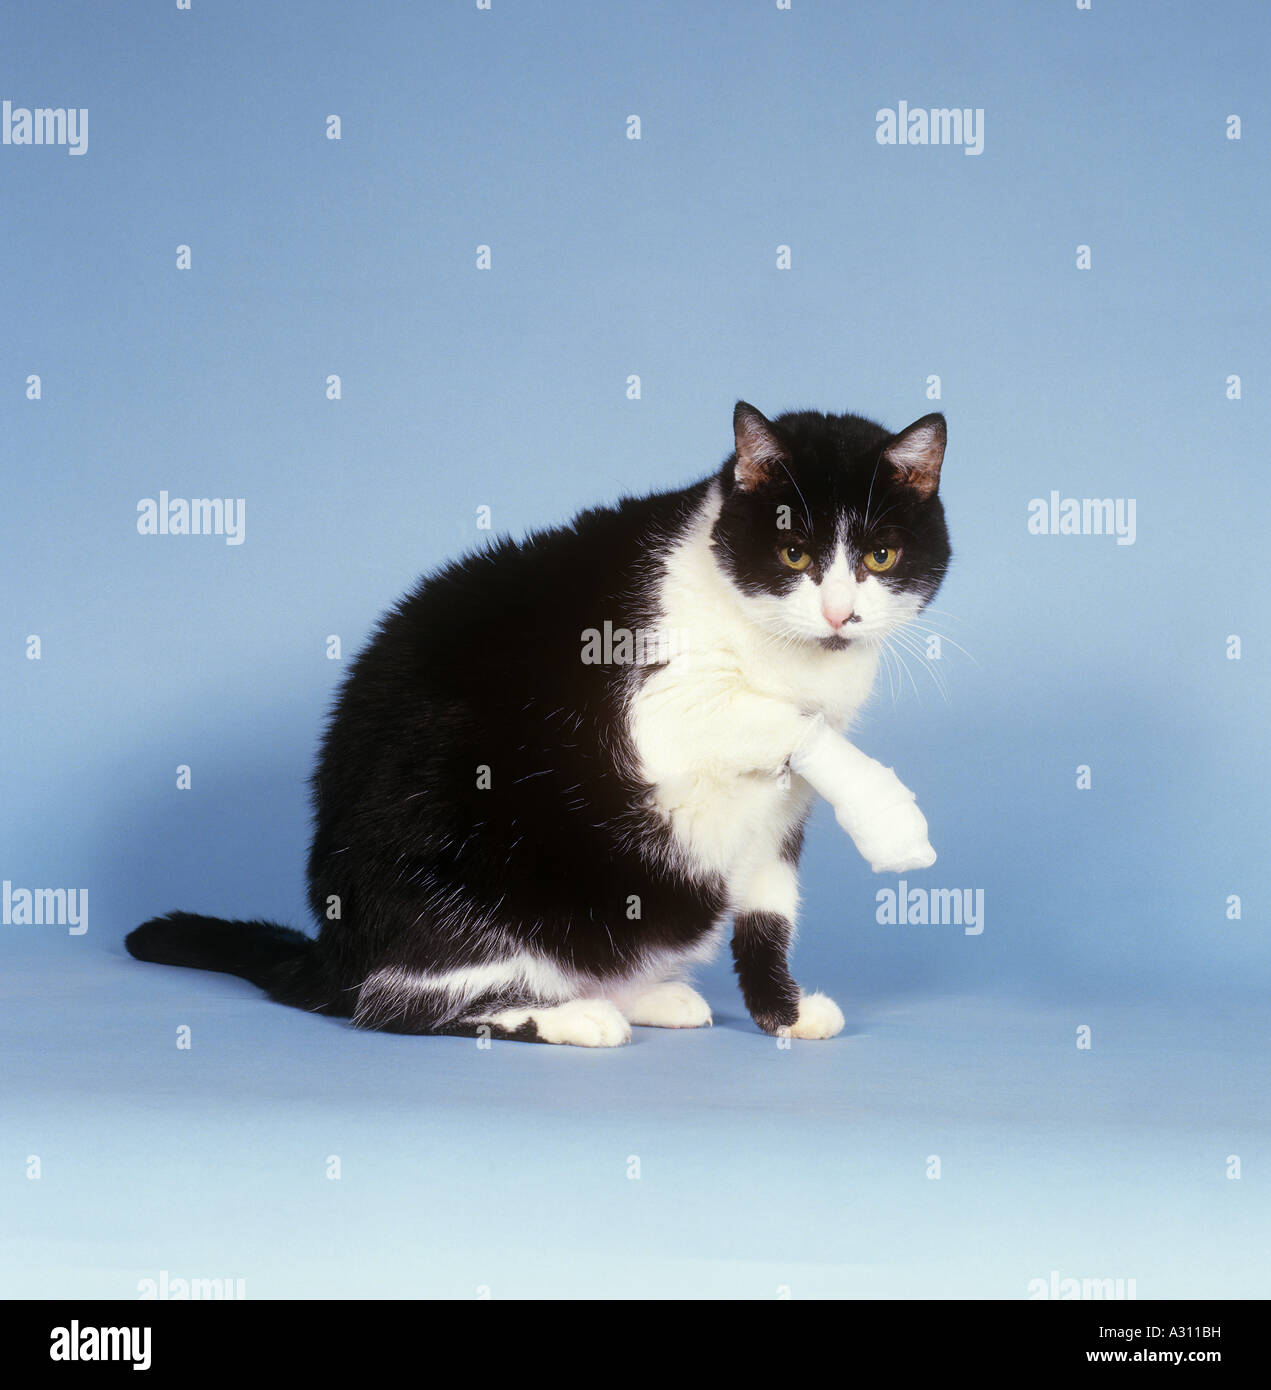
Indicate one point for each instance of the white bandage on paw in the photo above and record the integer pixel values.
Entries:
(870, 802)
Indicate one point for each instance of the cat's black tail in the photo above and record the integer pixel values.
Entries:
(283, 962)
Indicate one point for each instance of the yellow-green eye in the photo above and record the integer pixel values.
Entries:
(794, 557)
(881, 559)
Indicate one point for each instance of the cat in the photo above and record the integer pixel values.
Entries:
(561, 764)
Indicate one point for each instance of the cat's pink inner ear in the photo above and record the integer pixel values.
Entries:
(761, 454)
(917, 453)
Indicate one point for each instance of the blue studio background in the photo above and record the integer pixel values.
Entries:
(698, 1164)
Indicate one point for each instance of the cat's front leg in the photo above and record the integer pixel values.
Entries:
(763, 926)
(670, 1004)
(870, 802)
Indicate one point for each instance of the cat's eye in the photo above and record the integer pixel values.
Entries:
(881, 559)
(796, 558)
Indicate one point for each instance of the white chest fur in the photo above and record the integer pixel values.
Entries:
(713, 727)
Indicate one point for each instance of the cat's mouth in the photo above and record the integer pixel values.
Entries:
(835, 642)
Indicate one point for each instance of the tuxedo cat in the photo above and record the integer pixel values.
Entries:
(562, 764)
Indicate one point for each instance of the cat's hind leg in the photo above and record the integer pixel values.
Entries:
(579, 1022)
(489, 1002)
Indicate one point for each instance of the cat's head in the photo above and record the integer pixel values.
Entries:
(831, 529)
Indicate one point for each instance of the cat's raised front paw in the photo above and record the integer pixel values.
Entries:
(584, 1023)
(819, 1017)
(894, 839)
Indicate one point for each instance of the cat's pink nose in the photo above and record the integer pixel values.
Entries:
(836, 614)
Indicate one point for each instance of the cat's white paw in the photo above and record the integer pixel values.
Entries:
(894, 839)
(584, 1023)
(670, 1005)
(819, 1017)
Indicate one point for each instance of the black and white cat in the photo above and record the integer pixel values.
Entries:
(562, 764)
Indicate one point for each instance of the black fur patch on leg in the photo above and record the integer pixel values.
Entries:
(792, 845)
(760, 943)
(527, 1032)
(386, 1008)
(460, 1028)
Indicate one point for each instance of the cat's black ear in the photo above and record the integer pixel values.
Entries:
(761, 452)
(916, 454)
